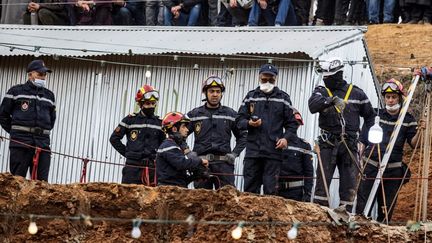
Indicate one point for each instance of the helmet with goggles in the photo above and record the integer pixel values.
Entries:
(147, 93)
(393, 86)
(212, 81)
(173, 118)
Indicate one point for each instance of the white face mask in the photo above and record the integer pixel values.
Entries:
(40, 82)
(266, 87)
(393, 107)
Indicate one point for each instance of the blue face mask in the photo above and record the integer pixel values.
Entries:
(40, 82)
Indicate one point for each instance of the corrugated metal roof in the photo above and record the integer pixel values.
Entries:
(121, 40)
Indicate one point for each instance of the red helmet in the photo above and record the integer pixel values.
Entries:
(147, 92)
(172, 118)
(298, 116)
(393, 86)
(212, 81)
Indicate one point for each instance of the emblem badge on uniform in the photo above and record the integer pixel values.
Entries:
(197, 128)
(251, 108)
(118, 129)
(134, 135)
(24, 105)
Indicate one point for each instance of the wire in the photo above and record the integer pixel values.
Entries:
(84, 159)
(186, 221)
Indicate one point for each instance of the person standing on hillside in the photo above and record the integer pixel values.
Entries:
(393, 93)
(339, 121)
(28, 114)
(213, 125)
(267, 114)
(144, 136)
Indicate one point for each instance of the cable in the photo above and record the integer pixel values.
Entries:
(171, 221)
(87, 160)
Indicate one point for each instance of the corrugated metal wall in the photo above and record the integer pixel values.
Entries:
(92, 99)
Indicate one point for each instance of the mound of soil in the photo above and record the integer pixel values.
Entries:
(123, 203)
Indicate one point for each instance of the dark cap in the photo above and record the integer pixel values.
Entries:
(269, 69)
(38, 66)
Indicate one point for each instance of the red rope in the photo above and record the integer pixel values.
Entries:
(35, 163)
(83, 178)
(145, 175)
(153, 168)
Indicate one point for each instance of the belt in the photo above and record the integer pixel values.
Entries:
(35, 130)
(389, 165)
(326, 135)
(291, 184)
(212, 157)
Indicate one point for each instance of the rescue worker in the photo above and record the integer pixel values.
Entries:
(267, 115)
(340, 106)
(176, 165)
(212, 125)
(144, 136)
(28, 113)
(393, 93)
(296, 176)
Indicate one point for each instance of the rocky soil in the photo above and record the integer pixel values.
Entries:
(125, 202)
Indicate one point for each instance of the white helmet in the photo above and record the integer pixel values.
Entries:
(330, 66)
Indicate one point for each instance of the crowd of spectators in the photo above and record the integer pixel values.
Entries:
(215, 12)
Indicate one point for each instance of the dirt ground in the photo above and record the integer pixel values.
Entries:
(395, 51)
(103, 200)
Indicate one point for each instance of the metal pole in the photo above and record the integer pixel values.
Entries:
(318, 152)
(426, 157)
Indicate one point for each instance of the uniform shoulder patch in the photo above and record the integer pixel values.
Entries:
(118, 129)
(25, 105)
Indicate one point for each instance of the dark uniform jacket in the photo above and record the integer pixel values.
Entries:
(172, 165)
(278, 121)
(144, 136)
(212, 129)
(358, 105)
(297, 162)
(29, 106)
(387, 123)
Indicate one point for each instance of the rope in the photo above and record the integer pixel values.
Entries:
(84, 171)
(225, 174)
(35, 163)
(188, 221)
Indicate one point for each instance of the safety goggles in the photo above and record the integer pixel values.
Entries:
(391, 87)
(213, 81)
(152, 96)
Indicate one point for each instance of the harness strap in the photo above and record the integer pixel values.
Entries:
(348, 93)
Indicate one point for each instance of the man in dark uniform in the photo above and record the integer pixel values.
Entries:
(339, 120)
(267, 115)
(393, 92)
(296, 176)
(144, 136)
(177, 165)
(28, 114)
(212, 125)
